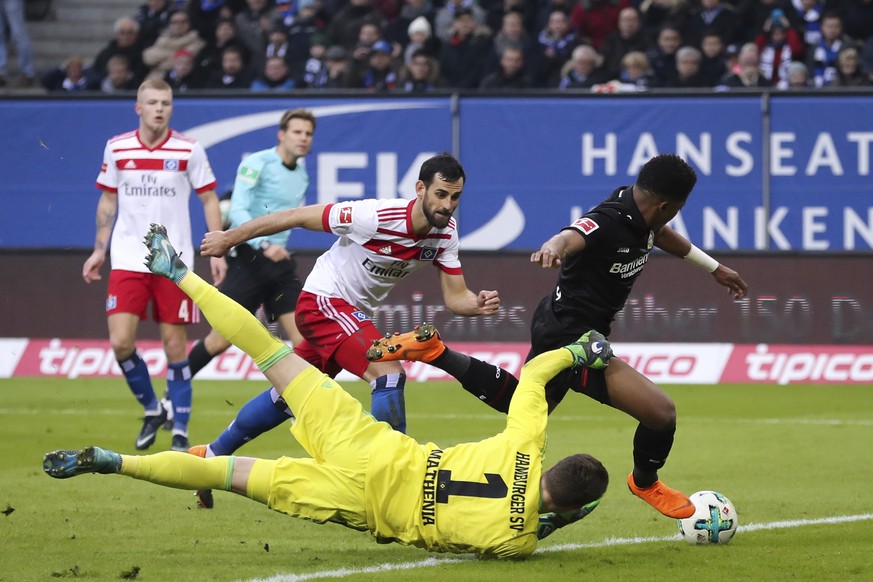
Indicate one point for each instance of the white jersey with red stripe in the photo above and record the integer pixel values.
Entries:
(152, 185)
(376, 250)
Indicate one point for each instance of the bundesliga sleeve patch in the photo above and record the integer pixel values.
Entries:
(586, 225)
(103, 168)
(345, 215)
(249, 175)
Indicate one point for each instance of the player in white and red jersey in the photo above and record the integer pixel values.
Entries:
(147, 176)
(380, 243)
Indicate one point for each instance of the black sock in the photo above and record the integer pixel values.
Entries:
(453, 363)
(198, 357)
(489, 383)
(651, 449)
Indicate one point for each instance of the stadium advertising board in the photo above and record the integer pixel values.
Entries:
(533, 164)
(664, 363)
(362, 149)
(798, 299)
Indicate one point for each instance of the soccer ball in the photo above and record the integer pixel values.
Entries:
(714, 520)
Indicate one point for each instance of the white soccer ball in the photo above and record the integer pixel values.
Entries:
(714, 521)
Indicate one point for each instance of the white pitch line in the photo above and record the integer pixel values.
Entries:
(432, 561)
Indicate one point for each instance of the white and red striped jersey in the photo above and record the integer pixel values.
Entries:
(153, 185)
(376, 250)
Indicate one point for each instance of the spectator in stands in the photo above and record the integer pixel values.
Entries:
(183, 76)
(713, 16)
(712, 66)
(153, 18)
(778, 45)
(748, 72)
(553, 48)
(69, 77)
(657, 14)
(314, 63)
(663, 56)
(464, 57)
(205, 15)
(513, 33)
(277, 42)
(582, 71)
(444, 21)
(368, 35)
(126, 43)
(379, 73)
(635, 76)
(397, 31)
(119, 76)
(178, 36)
(688, 74)
(12, 17)
(275, 77)
(753, 14)
(511, 74)
(809, 12)
(823, 56)
(252, 25)
(796, 78)
(234, 73)
(636, 72)
(594, 20)
(849, 73)
(334, 74)
(420, 38)
(627, 38)
(306, 30)
(534, 15)
(210, 61)
(421, 74)
(346, 24)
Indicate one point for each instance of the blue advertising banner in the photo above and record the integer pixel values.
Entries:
(52, 153)
(791, 175)
(539, 164)
(822, 193)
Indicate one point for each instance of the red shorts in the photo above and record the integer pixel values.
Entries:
(336, 335)
(131, 292)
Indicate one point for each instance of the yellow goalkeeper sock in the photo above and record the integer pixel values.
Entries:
(179, 470)
(234, 322)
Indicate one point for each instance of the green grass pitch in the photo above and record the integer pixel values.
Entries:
(793, 459)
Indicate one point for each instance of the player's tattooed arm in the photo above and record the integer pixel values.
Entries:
(107, 210)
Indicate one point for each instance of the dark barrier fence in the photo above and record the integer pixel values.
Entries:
(796, 299)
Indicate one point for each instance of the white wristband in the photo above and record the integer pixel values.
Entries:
(700, 259)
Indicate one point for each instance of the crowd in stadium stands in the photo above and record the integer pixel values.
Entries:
(417, 46)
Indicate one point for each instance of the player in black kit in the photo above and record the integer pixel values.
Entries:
(600, 257)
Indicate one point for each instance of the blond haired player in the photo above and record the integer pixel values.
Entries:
(147, 176)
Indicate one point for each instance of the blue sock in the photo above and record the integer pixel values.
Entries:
(179, 386)
(137, 375)
(263, 412)
(386, 400)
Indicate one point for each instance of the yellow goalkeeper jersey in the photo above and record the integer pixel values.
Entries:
(480, 497)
